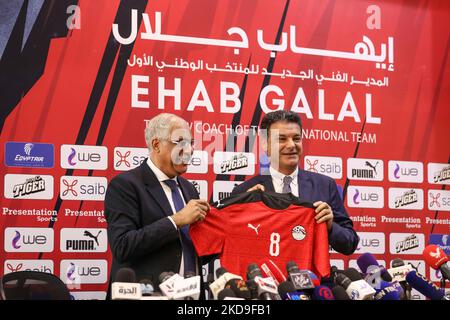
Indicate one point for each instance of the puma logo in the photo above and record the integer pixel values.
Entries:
(374, 167)
(254, 228)
(219, 204)
(90, 235)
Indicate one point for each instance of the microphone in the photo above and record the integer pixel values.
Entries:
(437, 259)
(339, 293)
(287, 291)
(125, 275)
(425, 287)
(354, 285)
(389, 291)
(223, 277)
(189, 274)
(266, 287)
(167, 283)
(369, 265)
(227, 294)
(315, 280)
(187, 288)
(322, 293)
(270, 269)
(124, 286)
(146, 287)
(239, 288)
(301, 279)
(398, 273)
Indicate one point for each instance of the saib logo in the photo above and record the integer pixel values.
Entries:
(83, 188)
(31, 155)
(126, 158)
(329, 166)
(28, 265)
(10, 268)
(439, 200)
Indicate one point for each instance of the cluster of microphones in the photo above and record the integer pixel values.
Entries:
(268, 282)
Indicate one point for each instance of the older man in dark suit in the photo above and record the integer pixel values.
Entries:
(149, 208)
(282, 139)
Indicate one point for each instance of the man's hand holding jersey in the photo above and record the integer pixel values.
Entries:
(195, 210)
(324, 213)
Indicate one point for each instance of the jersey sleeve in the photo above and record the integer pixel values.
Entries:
(208, 236)
(321, 260)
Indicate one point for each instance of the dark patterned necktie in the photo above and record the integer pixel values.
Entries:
(188, 248)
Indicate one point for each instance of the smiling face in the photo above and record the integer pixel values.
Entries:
(284, 146)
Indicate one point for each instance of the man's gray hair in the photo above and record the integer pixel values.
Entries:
(159, 127)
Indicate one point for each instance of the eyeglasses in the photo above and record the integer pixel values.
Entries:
(183, 143)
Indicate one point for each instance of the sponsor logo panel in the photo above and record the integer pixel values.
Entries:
(234, 163)
(405, 171)
(26, 186)
(83, 188)
(28, 154)
(84, 157)
(83, 240)
(365, 169)
(330, 166)
(29, 239)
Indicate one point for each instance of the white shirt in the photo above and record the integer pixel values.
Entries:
(161, 176)
(277, 180)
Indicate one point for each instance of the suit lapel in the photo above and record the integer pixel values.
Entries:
(304, 186)
(266, 181)
(184, 189)
(155, 190)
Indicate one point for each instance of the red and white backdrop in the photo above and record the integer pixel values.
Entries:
(79, 79)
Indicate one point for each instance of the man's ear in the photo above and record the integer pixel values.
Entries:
(156, 145)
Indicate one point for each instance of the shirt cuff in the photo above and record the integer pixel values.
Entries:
(173, 222)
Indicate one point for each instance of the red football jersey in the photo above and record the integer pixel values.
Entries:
(256, 226)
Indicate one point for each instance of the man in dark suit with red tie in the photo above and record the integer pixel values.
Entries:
(281, 133)
(148, 209)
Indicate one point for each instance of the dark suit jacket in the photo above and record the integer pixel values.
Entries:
(140, 234)
(317, 187)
